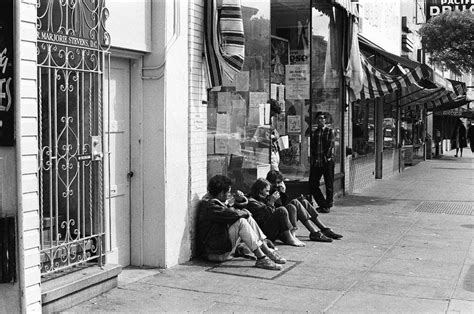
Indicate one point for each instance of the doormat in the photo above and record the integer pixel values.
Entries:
(246, 268)
(448, 208)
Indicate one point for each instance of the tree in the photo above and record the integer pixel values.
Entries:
(449, 38)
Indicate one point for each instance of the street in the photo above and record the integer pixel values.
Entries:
(407, 248)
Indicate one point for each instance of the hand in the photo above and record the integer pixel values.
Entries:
(274, 197)
(246, 210)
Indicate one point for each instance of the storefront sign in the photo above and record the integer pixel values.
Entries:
(6, 74)
(436, 7)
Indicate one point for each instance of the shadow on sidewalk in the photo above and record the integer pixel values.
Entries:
(360, 200)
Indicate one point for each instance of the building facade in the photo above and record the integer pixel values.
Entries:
(113, 129)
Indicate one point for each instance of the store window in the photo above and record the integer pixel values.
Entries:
(363, 128)
(326, 75)
(390, 130)
(290, 83)
(239, 125)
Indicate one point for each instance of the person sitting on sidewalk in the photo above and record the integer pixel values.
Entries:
(300, 209)
(274, 222)
(221, 226)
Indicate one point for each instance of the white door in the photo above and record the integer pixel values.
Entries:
(117, 205)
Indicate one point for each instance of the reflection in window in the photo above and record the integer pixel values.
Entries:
(363, 128)
(238, 116)
(326, 76)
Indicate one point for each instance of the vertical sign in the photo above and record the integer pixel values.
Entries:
(6, 73)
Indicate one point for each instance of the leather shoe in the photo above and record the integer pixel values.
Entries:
(319, 237)
(323, 210)
(331, 234)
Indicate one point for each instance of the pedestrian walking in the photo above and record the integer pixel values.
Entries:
(470, 136)
(458, 139)
(322, 163)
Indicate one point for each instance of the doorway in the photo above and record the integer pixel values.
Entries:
(117, 143)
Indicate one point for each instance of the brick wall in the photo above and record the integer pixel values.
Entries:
(197, 114)
(27, 140)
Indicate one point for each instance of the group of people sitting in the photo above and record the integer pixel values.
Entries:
(232, 224)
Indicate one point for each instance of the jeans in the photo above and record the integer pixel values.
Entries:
(245, 230)
(315, 175)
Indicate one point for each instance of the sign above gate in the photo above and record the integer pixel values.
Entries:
(73, 23)
(7, 134)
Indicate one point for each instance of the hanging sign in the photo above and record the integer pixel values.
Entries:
(6, 74)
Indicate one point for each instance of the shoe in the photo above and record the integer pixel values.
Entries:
(319, 237)
(331, 234)
(267, 263)
(243, 251)
(323, 210)
(274, 256)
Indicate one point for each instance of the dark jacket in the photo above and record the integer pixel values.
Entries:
(260, 209)
(214, 219)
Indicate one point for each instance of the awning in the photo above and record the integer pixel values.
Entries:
(417, 84)
(349, 5)
(224, 41)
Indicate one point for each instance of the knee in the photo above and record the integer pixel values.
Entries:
(281, 211)
(291, 208)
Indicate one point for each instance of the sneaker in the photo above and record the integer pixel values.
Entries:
(323, 210)
(331, 234)
(319, 237)
(274, 256)
(267, 263)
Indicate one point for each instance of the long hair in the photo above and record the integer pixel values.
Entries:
(258, 186)
(217, 184)
(273, 176)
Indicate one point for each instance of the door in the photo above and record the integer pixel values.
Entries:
(117, 141)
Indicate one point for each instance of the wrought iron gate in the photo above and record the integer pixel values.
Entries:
(72, 53)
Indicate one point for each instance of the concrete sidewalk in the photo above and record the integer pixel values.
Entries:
(407, 248)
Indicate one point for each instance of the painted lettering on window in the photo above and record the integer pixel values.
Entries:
(5, 94)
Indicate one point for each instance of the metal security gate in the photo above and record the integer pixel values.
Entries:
(72, 54)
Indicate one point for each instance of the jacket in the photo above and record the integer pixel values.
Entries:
(260, 209)
(214, 220)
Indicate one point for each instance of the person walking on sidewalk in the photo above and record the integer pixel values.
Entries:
(221, 227)
(322, 163)
(458, 138)
(470, 136)
(274, 221)
(300, 209)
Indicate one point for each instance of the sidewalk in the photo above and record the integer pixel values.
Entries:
(397, 255)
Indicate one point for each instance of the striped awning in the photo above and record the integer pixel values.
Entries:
(416, 84)
(349, 5)
(224, 41)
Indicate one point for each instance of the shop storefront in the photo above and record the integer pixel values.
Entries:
(262, 118)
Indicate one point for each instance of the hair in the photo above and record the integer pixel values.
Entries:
(218, 184)
(273, 176)
(274, 107)
(320, 113)
(258, 186)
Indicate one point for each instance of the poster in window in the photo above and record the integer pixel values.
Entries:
(6, 74)
(294, 124)
(280, 51)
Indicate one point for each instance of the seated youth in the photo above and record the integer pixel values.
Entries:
(300, 209)
(221, 227)
(273, 221)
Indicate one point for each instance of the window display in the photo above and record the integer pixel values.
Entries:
(238, 114)
(363, 128)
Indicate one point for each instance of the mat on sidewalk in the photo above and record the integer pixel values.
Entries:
(246, 268)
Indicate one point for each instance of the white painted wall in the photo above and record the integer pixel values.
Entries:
(129, 24)
(381, 23)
